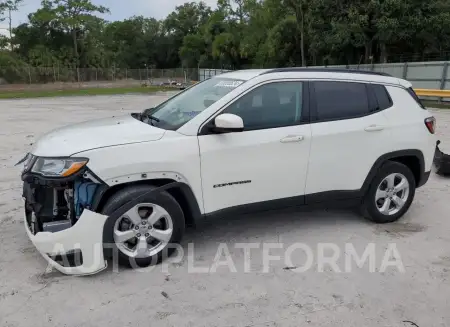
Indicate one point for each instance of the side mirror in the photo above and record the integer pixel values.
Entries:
(226, 123)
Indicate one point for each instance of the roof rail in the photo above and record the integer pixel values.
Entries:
(324, 70)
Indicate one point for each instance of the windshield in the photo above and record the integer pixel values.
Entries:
(178, 110)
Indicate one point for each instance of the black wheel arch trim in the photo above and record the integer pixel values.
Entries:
(183, 187)
(393, 155)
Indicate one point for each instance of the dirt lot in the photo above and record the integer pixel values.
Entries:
(31, 296)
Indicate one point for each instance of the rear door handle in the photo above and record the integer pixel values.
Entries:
(292, 138)
(374, 128)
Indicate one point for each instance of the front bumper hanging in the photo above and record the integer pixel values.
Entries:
(79, 249)
(83, 242)
(62, 225)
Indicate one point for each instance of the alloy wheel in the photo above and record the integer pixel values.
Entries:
(143, 231)
(392, 194)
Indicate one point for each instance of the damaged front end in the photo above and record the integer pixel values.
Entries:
(60, 197)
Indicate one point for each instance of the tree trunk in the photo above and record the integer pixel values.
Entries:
(368, 51)
(75, 46)
(383, 52)
(241, 12)
(297, 7)
(302, 36)
(75, 51)
(10, 31)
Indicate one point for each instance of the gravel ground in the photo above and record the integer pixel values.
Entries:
(30, 295)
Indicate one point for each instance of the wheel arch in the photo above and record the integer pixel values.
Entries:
(413, 159)
(182, 192)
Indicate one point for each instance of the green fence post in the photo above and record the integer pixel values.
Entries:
(443, 77)
(405, 70)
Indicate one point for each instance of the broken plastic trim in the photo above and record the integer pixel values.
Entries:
(70, 259)
(441, 161)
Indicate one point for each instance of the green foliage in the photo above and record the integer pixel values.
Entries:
(192, 50)
(12, 69)
(237, 34)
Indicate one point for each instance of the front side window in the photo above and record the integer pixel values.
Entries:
(340, 100)
(269, 106)
(178, 110)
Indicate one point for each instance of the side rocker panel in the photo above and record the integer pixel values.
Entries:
(332, 198)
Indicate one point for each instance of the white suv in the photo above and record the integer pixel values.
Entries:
(240, 142)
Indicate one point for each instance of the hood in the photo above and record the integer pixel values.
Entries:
(93, 134)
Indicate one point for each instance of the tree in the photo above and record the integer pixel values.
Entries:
(237, 34)
(299, 7)
(187, 19)
(192, 50)
(6, 8)
(73, 15)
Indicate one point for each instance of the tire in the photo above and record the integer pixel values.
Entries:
(159, 202)
(372, 208)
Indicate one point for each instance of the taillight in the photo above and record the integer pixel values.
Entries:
(430, 123)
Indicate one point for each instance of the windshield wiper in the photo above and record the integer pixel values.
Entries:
(150, 117)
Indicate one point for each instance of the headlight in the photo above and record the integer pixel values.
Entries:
(26, 162)
(58, 167)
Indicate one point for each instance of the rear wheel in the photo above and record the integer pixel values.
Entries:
(390, 194)
(141, 235)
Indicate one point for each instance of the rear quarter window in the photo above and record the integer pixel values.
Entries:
(382, 96)
(415, 97)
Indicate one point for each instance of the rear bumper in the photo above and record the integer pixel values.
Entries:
(85, 237)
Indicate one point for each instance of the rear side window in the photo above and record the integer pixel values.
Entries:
(415, 97)
(340, 100)
(382, 96)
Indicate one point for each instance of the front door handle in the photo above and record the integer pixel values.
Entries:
(374, 128)
(292, 138)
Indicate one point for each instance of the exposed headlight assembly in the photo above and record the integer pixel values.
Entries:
(26, 162)
(58, 167)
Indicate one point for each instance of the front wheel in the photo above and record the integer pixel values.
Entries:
(141, 235)
(390, 194)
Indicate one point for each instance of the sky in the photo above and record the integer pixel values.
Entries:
(120, 9)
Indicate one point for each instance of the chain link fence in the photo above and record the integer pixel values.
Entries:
(64, 77)
(429, 75)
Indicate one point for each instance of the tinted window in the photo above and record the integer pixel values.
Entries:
(340, 100)
(415, 97)
(382, 96)
(271, 105)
